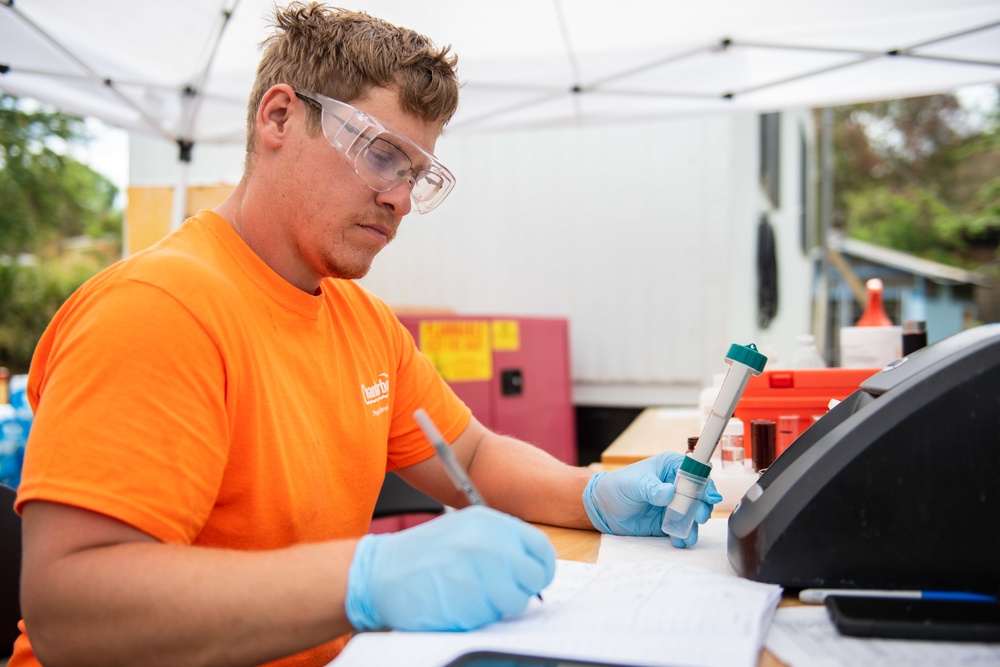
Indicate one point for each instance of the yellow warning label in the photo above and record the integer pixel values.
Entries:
(506, 335)
(459, 349)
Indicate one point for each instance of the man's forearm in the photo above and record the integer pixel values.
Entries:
(149, 603)
(529, 483)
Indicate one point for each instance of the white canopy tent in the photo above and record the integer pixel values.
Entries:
(181, 70)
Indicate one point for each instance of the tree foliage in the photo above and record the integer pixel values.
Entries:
(48, 196)
(48, 200)
(921, 175)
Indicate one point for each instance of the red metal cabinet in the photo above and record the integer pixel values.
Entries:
(513, 372)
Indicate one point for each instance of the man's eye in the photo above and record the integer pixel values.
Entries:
(386, 158)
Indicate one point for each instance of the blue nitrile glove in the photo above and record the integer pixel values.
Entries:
(630, 500)
(457, 572)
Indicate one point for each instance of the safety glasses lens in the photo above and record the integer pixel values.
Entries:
(380, 157)
(386, 161)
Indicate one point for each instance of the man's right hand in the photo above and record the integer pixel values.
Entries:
(457, 572)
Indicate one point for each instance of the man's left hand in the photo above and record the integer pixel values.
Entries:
(631, 500)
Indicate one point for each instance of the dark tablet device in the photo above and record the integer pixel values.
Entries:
(896, 618)
(498, 659)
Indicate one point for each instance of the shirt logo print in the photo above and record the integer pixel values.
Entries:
(378, 391)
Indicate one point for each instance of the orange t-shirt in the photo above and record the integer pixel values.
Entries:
(194, 394)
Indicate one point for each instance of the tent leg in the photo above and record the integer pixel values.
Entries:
(179, 213)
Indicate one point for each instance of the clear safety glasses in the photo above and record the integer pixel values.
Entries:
(382, 159)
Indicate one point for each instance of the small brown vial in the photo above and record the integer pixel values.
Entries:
(914, 336)
(692, 441)
(762, 443)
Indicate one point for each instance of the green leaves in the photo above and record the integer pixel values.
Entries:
(920, 175)
(913, 221)
(48, 200)
(30, 296)
(46, 195)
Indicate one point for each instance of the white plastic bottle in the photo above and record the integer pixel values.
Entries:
(732, 444)
(806, 355)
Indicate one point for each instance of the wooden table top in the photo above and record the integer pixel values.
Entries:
(655, 430)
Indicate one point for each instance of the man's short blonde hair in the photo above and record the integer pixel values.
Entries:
(344, 54)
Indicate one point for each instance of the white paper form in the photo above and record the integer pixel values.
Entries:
(708, 553)
(649, 614)
(806, 637)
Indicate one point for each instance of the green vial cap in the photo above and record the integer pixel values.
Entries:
(695, 467)
(748, 356)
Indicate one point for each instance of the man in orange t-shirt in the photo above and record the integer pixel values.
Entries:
(214, 416)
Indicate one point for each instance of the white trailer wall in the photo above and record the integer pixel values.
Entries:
(643, 234)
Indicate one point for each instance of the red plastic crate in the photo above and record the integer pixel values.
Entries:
(795, 398)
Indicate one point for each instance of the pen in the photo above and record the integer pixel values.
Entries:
(451, 464)
(818, 595)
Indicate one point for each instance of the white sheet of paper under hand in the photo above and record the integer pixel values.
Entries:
(649, 613)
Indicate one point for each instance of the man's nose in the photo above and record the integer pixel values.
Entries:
(397, 198)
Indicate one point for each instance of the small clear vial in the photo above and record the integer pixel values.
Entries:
(690, 483)
(733, 452)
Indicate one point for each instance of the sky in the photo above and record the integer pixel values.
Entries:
(980, 99)
(107, 154)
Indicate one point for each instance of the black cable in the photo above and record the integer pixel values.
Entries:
(767, 274)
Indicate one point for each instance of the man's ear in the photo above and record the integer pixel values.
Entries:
(273, 114)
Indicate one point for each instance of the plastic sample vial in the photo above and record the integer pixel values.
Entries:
(788, 430)
(762, 442)
(914, 336)
(732, 444)
(692, 477)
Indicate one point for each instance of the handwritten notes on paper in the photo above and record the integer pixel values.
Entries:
(648, 613)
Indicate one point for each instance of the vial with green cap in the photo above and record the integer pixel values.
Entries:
(678, 517)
